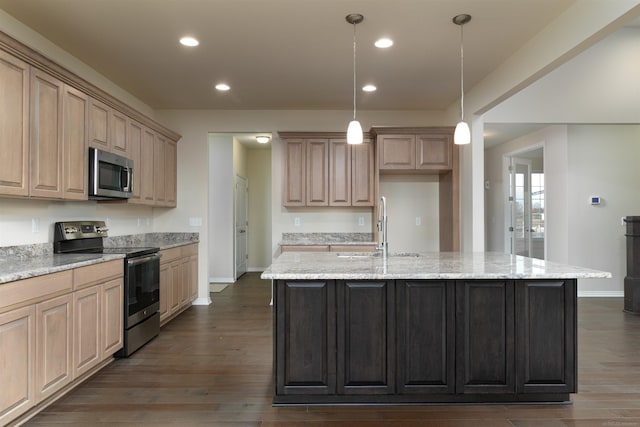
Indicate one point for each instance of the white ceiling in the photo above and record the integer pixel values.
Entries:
(287, 54)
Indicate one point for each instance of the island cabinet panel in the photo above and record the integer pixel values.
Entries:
(426, 336)
(366, 337)
(305, 349)
(546, 339)
(485, 337)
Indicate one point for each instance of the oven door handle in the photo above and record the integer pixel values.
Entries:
(136, 261)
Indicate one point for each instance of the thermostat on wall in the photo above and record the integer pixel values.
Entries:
(595, 200)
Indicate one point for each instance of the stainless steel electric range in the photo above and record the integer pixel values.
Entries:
(141, 277)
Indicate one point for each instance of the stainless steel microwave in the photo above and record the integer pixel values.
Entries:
(110, 175)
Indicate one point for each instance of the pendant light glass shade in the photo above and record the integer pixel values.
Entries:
(354, 131)
(462, 134)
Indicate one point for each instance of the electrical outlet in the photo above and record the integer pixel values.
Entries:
(296, 221)
(360, 220)
(418, 220)
(195, 222)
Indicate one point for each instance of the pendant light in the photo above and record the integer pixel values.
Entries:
(354, 131)
(462, 134)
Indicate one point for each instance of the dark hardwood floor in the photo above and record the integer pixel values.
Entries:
(213, 366)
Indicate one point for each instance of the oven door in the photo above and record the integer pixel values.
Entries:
(142, 288)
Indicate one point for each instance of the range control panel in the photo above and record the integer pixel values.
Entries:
(71, 230)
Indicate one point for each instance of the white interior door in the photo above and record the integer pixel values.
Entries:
(241, 226)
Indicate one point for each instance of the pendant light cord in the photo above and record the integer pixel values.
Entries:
(461, 73)
(354, 71)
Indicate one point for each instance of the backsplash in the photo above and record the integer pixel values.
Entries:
(323, 238)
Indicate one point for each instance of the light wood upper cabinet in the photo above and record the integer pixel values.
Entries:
(317, 172)
(99, 125)
(327, 171)
(295, 176)
(14, 126)
(134, 147)
(118, 133)
(74, 147)
(339, 173)
(54, 351)
(171, 173)
(46, 136)
(418, 151)
(147, 162)
(17, 359)
(159, 156)
(397, 152)
(434, 151)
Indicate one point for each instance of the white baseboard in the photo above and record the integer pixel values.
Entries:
(600, 294)
(202, 301)
(221, 280)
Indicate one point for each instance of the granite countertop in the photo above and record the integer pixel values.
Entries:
(25, 261)
(435, 265)
(317, 239)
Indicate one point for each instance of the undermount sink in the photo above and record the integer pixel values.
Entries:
(376, 255)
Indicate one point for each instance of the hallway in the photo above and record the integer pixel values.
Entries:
(213, 366)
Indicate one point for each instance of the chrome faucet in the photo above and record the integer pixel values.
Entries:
(382, 228)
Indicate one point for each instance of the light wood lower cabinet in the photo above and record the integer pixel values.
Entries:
(54, 351)
(178, 280)
(55, 330)
(17, 358)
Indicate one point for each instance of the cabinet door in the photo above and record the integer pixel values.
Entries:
(46, 135)
(134, 147)
(434, 152)
(166, 294)
(176, 286)
(74, 140)
(339, 173)
(159, 153)
(362, 174)
(396, 152)
(171, 173)
(147, 186)
(485, 337)
(99, 125)
(87, 351)
(546, 336)
(305, 337)
(193, 267)
(294, 179)
(185, 283)
(112, 316)
(365, 337)
(14, 126)
(317, 172)
(118, 133)
(426, 336)
(54, 351)
(17, 359)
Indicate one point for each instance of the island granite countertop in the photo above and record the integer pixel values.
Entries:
(432, 265)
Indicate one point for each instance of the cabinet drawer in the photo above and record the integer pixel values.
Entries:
(169, 255)
(93, 274)
(189, 250)
(35, 289)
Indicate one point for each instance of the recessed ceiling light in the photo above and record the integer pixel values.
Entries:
(223, 87)
(262, 139)
(189, 41)
(369, 88)
(384, 43)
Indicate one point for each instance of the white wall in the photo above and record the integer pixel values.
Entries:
(603, 161)
(410, 197)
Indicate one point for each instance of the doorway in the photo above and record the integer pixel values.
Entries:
(241, 225)
(525, 204)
